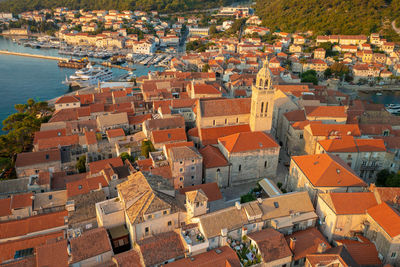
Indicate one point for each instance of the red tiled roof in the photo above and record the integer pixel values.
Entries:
(97, 166)
(32, 224)
(85, 185)
(345, 144)
(326, 111)
(33, 158)
(54, 142)
(350, 203)
(363, 252)
(271, 244)
(205, 89)
(115, 133)
(5, 207)
(138, 119)
(334, 129)
(160, 248)
(49, 134)
(90, 137)
(247, 141)
(8, 249)
(52, 254)
(212, 157)
(90, 244)
(169, 135)
(145, 164)
(66, 99)
(210, 189)
(387, 218)
(21, 201)
(210, 136)
(225, 257)
(323, 170)
(307, 242)
(295, 115)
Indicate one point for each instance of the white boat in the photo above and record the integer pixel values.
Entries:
(89, 76)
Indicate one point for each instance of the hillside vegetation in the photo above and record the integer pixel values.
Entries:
(18, 6)
(329, 16)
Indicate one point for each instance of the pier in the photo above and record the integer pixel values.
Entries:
(108, 64)
(4, 52)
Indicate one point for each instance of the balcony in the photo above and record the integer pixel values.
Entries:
(194, 240)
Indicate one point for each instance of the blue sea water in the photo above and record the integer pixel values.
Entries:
(22, 78)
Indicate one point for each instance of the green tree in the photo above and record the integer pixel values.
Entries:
(19, 128)
(205, 68)
(309, 76)
(147, 147)
(125, 156)
(81, 164)
(387, 178)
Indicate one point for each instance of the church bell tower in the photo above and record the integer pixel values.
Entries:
(262, 100)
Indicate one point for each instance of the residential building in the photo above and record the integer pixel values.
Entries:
(322, 173)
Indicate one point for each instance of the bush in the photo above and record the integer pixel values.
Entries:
(81, 164)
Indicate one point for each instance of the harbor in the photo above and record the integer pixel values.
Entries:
(42, 79)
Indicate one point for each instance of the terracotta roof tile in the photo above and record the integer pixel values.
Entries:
(212, 157)
(66, 99)
(247, 141)
(8, 249)
(349, 203)
(52, 254)
(219, 257)
(271, 244)
(21, 201)
(169, 135)
(306, 242)
(128, 258)
(295, 115)
(90, 138)
(225, 107)
(54, 142)
(326, 111)
(387, 218)
(160, 248)
(209, 136)
(49, 134)
(334, 129)
(32, 224)
(325, 170)
(211, 190)
(362, 251)
(115, 133)
(90, 244)
(97, 166)
(34, 158)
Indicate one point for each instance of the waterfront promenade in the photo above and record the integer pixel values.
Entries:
(5, 52)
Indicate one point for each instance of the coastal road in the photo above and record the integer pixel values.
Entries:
(397, 30)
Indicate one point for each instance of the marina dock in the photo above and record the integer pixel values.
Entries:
(108, 64)
(4, 52)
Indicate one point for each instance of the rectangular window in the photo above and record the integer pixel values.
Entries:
(146, 230)
(169, 223)
(393, 255)
(240, 167)
(165, 212)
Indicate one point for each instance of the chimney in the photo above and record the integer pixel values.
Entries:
(321, 248)
(238, 205)
(292, 243)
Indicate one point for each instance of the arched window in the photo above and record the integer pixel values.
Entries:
(262, 107)
(266, 107)
(240, 167)
(260, 83)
